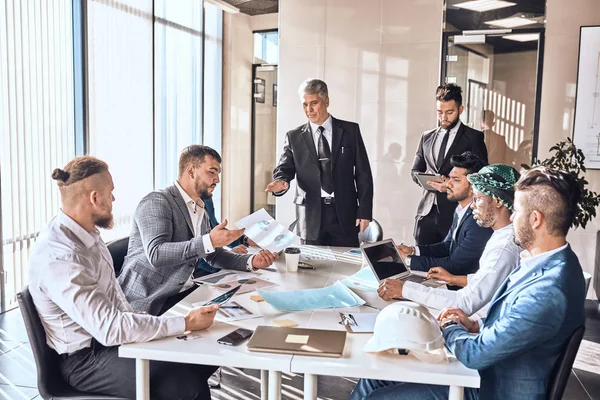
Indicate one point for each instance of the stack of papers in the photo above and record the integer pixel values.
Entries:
(336, 296)
(227, 280)
(364, 280)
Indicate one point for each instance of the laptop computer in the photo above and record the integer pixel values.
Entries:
(298, 341)
(386, 263)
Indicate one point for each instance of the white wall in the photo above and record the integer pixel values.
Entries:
(264, 22)
(563, 19)
(380, 59)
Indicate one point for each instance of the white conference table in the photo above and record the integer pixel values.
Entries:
(354, 362)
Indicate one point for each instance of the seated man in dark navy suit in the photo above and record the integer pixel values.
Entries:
(239, 246)
(461, 250)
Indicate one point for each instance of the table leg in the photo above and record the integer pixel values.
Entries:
(142, 379)
(264, 384)
(274, 385)
(310, 387)
(456, 393)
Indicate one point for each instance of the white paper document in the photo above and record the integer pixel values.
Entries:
(248, 285)
(266, 232)
(358, 322)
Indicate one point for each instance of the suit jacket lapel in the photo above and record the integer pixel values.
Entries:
(337, 133)
(468, 214)
(310, 143)
(531, 276)
(182, 206)
(429, 144)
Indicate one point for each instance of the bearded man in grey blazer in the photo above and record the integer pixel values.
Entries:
(171, 234)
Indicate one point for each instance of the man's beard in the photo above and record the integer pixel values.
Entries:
(487, 221)
(104, 221)
(524, 237)
(204, 194)
(453, 196)
(452, 124)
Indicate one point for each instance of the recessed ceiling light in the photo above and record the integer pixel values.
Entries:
(522, 37)
(512, 22)
(484, 5)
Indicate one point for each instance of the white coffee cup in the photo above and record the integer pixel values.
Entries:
(292, 257)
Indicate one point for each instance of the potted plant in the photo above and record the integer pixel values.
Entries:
(570, 159)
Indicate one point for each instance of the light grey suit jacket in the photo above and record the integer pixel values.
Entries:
(163, 251)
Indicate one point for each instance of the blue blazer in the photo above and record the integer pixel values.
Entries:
(526, 329)
(460, 256)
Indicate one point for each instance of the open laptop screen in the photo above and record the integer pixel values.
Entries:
(384, 259)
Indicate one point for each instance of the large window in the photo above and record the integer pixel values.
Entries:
(152, 86)
(36, 126)
(177, 82)
(119, 92)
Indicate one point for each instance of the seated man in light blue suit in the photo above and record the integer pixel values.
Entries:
(533, 313)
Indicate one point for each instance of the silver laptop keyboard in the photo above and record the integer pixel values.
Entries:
(415, 278)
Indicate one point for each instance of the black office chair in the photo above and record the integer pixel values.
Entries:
(373, 233)
(562, 369)
(118, 251)
(51, 384)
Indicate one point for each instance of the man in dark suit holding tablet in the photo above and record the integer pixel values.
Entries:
(435, 211)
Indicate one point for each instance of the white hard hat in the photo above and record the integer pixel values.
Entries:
(409, 326)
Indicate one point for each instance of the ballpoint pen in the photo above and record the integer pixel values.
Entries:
(231, 307)
(353, 320)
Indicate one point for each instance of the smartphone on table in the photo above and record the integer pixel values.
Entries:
(236, 337)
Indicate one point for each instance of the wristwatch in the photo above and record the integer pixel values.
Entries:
(447, 324)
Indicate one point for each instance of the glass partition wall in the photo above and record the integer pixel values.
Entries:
(264, 118)
(495, 55)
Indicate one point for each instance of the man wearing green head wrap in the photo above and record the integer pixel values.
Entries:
(493, 197)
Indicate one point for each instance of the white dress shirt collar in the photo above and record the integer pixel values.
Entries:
(88, 239)
(455, 129)
(191, 203)
(529, 262)
(462, 210)
(327, 125)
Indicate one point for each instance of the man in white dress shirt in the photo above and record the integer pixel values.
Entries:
(493, 197)
(82, 307)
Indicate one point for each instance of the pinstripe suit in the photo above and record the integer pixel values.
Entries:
(163, 251)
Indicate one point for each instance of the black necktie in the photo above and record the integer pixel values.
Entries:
(325, 162)
(452, 229)
(439, 161)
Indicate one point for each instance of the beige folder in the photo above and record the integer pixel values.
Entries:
(299, 341)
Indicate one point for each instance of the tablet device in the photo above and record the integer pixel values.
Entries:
(424, 178)
(224, 298)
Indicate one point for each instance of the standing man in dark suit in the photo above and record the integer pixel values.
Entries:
(327, 156)
(434, 213)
